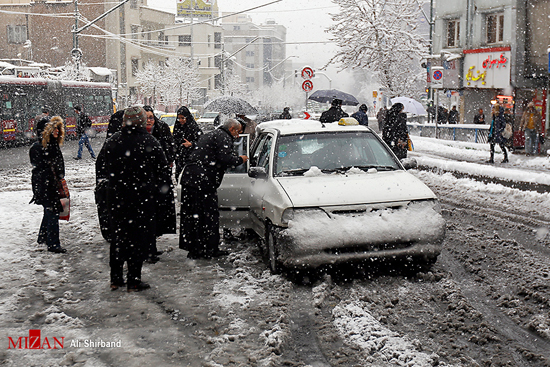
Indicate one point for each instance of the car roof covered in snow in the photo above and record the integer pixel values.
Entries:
(297, 126)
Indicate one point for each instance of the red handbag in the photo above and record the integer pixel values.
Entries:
(65, 200)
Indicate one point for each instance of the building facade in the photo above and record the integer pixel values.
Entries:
(257, 52)
(489, 50)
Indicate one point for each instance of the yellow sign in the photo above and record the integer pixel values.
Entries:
(374, 94)
(471, 77)
(197, 8)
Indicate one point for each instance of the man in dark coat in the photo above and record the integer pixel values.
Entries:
(200, 179)
(138, 176)
(395, 132)
(480, 117)
(361, 115)
(453, 116)
(186, 134)
(334, 113)
(83, 124)
(286, 114)
(381, 117)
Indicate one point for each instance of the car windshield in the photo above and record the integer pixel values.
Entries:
(170, 120)
(331, 152)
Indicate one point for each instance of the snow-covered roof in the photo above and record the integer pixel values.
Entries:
(296, 126)
(100, 71)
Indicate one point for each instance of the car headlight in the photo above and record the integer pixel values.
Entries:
(287, 216)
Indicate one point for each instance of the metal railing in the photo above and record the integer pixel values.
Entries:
(463, 132)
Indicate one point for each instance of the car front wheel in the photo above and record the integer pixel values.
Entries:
(272, 249)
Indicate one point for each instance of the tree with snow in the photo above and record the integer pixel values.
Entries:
(381, 35)
(180, 82)
(150, 80)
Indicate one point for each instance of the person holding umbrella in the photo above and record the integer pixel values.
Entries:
(334, 113)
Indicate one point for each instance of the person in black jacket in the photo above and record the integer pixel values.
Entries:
(41, 123)
(334, 113)
(200, 179)
(138, 177)
(83, 124)
(395, 132)
(186, 134)
(115, 123)
(166, 216)
(48, 168)
(361, 115)
(286, 114)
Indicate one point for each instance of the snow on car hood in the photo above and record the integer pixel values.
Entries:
(352, 189)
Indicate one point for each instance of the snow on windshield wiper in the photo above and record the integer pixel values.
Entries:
(364, 168)
(295, 172)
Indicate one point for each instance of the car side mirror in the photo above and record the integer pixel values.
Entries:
(257, 172)
(409, 163)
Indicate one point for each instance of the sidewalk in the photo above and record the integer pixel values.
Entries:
(466, 159)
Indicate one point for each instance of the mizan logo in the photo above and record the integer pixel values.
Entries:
(34, 341)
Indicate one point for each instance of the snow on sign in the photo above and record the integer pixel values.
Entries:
(307, 86)
(307, 73)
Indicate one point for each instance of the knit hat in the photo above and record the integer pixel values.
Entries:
(134, 116)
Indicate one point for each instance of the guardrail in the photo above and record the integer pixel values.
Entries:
(460, 132)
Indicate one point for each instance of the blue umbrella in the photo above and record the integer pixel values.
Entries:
(327, 95)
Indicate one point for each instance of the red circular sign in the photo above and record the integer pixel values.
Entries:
(307, 73)
(438, 75)
(307, 86)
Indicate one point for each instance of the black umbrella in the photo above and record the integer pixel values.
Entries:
(228, 104)
(327, 95)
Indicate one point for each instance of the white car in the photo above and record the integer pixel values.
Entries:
(323, 194)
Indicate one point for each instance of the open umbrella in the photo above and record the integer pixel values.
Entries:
(410, 104)
(228, 105)
(327, 95)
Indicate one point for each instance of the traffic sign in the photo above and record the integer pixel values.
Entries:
(306, 115)
(307, 86)
(438, 75)
(307, 73)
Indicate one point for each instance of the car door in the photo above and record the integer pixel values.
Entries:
(233, 193)
(261, 157)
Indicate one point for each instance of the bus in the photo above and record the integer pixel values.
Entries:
(22, 101)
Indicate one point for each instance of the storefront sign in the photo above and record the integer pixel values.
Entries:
(487, 68)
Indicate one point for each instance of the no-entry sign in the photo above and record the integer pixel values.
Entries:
(307, 86)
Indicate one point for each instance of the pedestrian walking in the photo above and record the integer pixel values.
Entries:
(480, 117)
(531, 125)
(361, 115)
(186, 134)
(381, 117)
(201, 176)
(83, 125)
(498, 124)
(137, 178)
(453, 116)
(48, 169)
(334, 113)
(395, 132)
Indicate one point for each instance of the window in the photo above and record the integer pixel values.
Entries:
(134, 29)
(133, 4)
(185, 40)
(17, 33)
(250, 66)
(209, 40)
(250, 79)
(495, 28)
(161, 38)
(135, 66)
(249, 53)
(209, 62)
(236, 27)
(217, 39)
(453, 33)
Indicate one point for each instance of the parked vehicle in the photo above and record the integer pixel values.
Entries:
(23, 100)
(327, 194)
(170, 119)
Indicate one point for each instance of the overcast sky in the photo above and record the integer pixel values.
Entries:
(305, 21)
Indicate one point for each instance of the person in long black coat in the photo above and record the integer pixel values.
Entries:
(115, 123)
(498, 124)
(161, 131)
(48, 170)
(186, 134)
(334, 113)
(138, 176)
(200, 179)
(395, 132)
